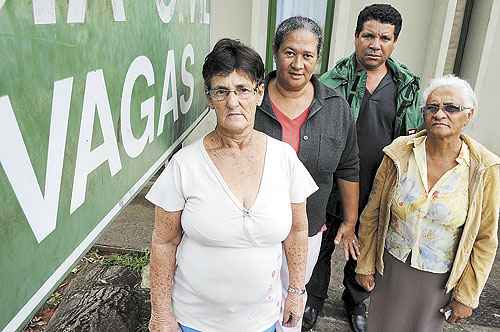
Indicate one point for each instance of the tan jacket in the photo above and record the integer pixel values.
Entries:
(478, 243)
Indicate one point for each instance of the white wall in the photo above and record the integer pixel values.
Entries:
(481, 67)
(232, 19)
(245, 20)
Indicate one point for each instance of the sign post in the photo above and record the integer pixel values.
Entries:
(93, 98)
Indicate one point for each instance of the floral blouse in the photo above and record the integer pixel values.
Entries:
(427, 222)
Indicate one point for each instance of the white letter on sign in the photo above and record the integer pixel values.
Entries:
(141, 66)
(168, 104)
(44, 11)
(206, 15)
(165, 12)
(40, 209)
(77, 9)
(95, 98)
(187, 78)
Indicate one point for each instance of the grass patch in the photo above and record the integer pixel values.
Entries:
(133, 261)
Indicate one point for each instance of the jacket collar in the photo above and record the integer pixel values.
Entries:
(346, 70)
(402, 146)
(321, 93)
(463, 157)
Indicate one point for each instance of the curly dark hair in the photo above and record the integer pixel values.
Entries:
(229, 55)
(383, 13)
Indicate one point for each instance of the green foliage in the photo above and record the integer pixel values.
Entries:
(133, 261)
(54, 299)
(142, 327)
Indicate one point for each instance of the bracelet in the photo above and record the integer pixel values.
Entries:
(296, 291)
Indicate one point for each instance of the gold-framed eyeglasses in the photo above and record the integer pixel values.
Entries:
(448, 108)
(242, 92)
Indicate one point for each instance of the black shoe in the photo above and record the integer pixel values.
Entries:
(357, 317)
(310, 318)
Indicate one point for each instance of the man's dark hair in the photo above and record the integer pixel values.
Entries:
(383, 13)
(295, 23)
(229, 55)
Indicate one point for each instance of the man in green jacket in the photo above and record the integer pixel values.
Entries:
(385, 101)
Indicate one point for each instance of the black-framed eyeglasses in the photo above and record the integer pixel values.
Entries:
(241, 92)
(448, 108)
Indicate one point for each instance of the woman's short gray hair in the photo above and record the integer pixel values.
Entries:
(453, 82)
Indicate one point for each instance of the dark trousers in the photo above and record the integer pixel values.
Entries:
(317, 287)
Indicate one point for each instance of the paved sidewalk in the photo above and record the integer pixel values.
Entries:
(133, 227)
(132, 231)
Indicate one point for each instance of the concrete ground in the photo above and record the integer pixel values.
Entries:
(132, 231)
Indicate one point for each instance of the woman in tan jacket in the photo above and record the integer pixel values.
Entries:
(429, 232)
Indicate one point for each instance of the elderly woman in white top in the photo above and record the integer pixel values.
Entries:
(227, 207)
(430, 226)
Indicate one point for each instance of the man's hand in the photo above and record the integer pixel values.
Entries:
(347, 236)
(459, 311)
(367, 281)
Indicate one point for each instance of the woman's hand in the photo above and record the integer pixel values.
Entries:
(347, 236)
(167, 323)
(293, 310)
(367, 281)
(459, 311)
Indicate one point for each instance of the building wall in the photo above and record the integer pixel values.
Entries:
(232, 19)
(481, 67)
(455, 36)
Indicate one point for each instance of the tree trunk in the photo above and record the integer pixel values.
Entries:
(99, 299)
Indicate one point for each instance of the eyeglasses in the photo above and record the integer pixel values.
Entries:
(240, 92)
(448, 108)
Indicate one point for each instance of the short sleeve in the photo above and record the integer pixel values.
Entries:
(302, 184)
(167, 191)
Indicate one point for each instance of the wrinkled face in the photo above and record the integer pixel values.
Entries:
(296, 59)
(235, 113)
(374, 44)
(444, 124)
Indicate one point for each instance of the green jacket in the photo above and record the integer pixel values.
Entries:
(351, 84)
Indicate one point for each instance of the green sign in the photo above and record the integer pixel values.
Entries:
(94, 95)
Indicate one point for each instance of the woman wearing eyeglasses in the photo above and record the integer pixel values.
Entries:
(429, 232)
(227, 207)
(316, 121)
